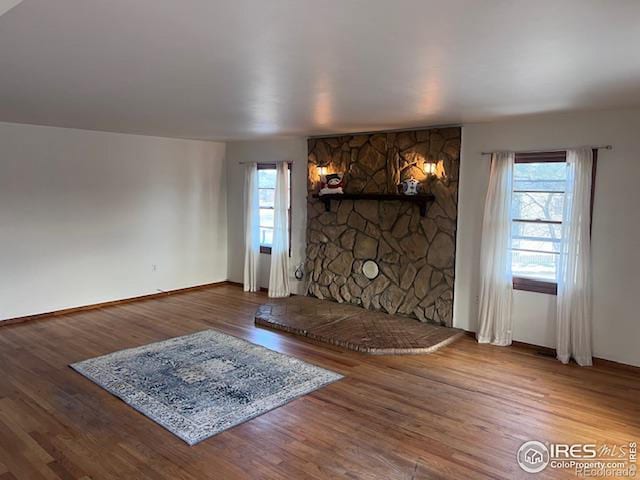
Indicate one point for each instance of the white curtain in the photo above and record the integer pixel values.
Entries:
(573, 334)
(495, 262)
(279, 274)
(251, 228)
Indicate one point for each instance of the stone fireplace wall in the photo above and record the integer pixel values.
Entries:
(415, 254)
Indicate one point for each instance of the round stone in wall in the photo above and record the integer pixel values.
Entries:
(370, 269)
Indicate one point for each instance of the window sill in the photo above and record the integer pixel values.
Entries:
(267, 250)
(536, 286)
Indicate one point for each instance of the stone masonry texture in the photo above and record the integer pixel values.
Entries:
(416, 255)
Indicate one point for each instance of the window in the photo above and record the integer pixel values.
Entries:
(266, 196)
(537, 211)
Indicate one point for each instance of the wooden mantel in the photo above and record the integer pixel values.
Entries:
(421, 200)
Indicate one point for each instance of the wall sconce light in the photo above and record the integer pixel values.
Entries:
(323, 171)
(429, 168)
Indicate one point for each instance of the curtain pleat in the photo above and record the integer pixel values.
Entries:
(496, 287)
(279, 274)
(251, 228)
(573, 328)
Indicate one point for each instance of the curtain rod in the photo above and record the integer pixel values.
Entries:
(269, 162)
(593, 147)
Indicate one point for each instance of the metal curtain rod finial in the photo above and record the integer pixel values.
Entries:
(593, 147)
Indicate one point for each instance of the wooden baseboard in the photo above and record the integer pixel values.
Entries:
(539, 349)
(551, 352)
(546, 351)
(66, 311)
(241, 285)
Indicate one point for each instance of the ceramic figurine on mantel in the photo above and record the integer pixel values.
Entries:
(411, 186)
(332, 184)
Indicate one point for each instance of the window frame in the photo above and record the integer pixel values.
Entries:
(266, 249)
(542, 286)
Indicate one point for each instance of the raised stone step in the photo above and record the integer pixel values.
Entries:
(352, 327)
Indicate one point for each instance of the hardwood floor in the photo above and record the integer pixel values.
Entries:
(461, 412)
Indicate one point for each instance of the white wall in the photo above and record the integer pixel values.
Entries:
(84, 216)
(616, 222)
(293, 150)
(615, 235)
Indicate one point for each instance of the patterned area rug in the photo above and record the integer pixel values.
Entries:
(199, 385)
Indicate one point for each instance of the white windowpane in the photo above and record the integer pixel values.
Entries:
(544, 231)
(539, 185)
(266, 236)
(540, 176)
(267, 197)
(536, 236)
(267, 178)
(538, 170)
(538, 206)
(535, 245)
(540, 266)
(266, 217)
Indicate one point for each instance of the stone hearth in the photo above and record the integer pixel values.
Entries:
(353, 328)
(415, 254)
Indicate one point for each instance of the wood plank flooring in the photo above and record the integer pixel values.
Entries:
(461, 412)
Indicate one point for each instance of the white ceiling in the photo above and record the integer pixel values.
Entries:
(230, 69)
(6, 5)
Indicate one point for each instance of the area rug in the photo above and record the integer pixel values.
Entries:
(201, 384)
